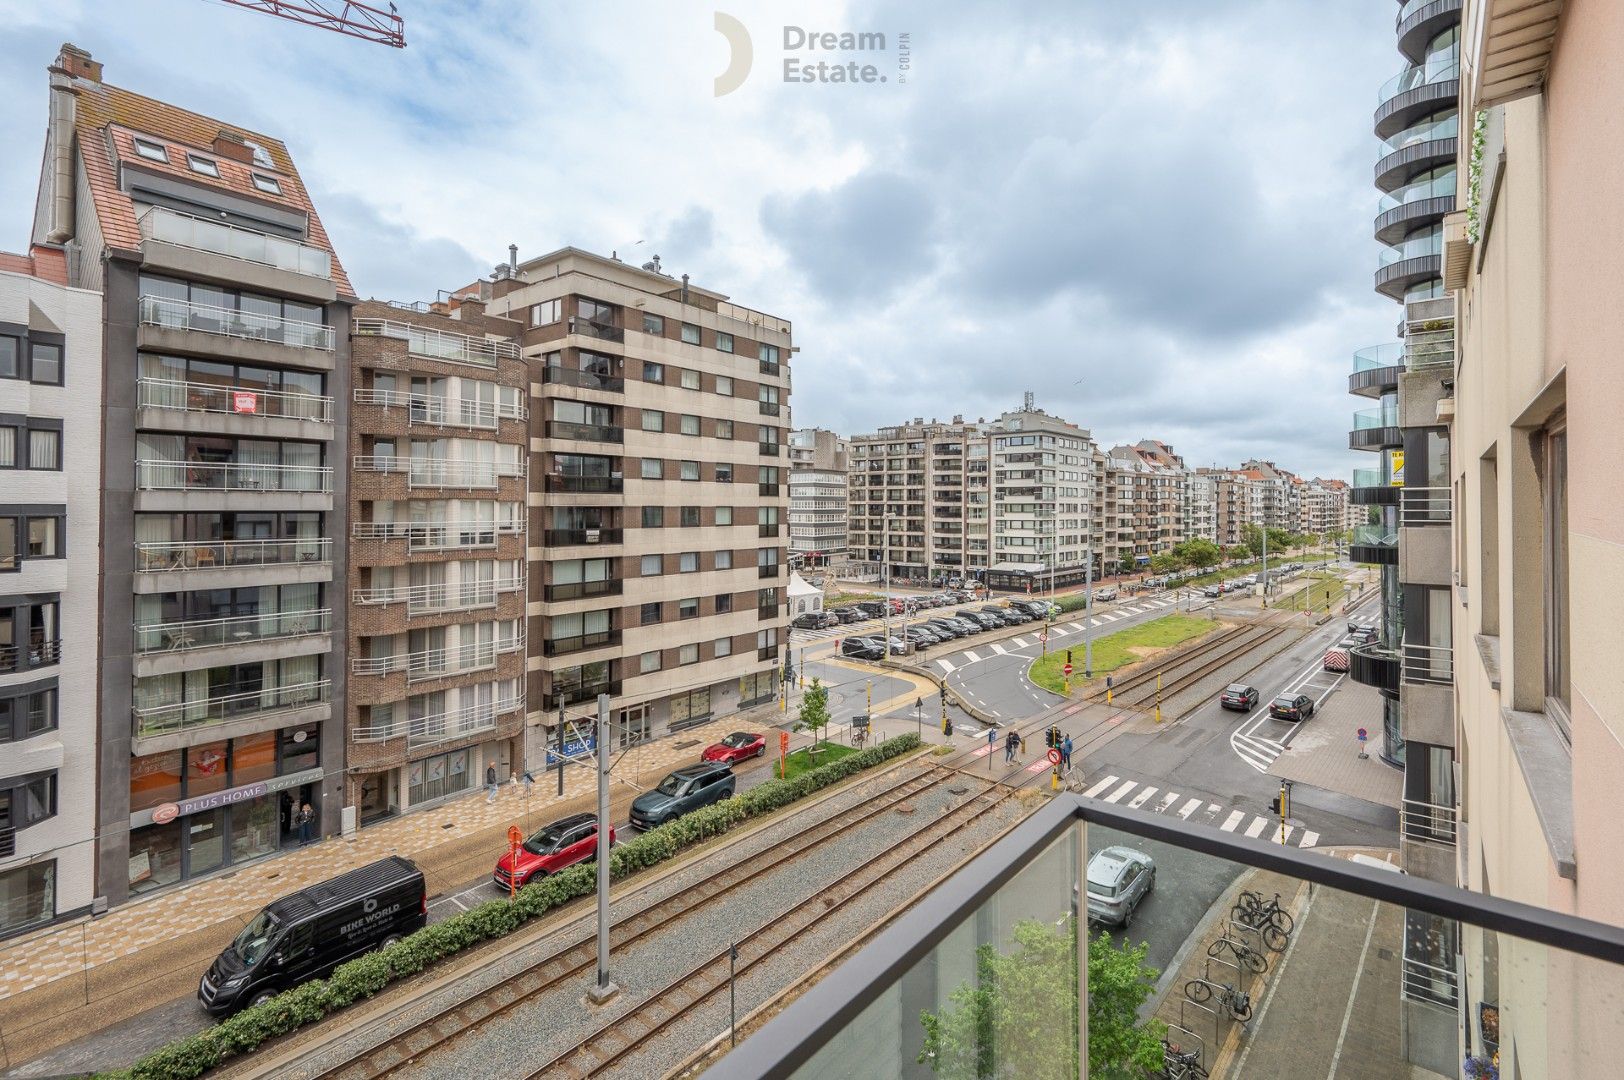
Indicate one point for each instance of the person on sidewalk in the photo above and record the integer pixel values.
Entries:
(529, 782)
(490, 784)
(1011, 743)
(1065, 754)
(303, 819)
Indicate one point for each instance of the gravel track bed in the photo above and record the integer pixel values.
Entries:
(552, 1022)
(503, 966)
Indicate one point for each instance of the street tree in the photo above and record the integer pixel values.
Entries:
(1199, 553)
(1252, 538)
(1019, 1018)
(1238, 553)
(1165, 563)
(814, 710)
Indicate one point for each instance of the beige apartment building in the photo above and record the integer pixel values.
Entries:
(658, 496)
(1539, 533)
(919, 500)
(818, 497)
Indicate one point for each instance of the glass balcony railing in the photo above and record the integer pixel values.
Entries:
(437, 663)
(230, 476)
(1370, 478)
(438, 344)
(166, 555)
(440, 472)
(1436, 188)
(1445, 67)
(436, 535)
(173, 227)
(1379, 356)
(162, 719)
(169, 314)
(1409, 8)
(232, 400)
(1430, 242)
(444, 411)
(430, 599)
(1384, 416)
(1374, 536)
(439, 727)
(1246, 958)
(188, 634)
(1447, 128)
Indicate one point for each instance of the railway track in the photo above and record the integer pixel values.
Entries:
(448, 1024)
(1181, 675)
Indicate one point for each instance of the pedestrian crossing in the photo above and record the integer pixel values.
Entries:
(1138, 796)
(874, 626)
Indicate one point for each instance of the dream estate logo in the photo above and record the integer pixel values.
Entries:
(818, 57)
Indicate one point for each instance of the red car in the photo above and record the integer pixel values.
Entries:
(736, 747)
(550, 849)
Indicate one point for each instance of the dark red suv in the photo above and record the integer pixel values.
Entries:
(736, 747)
(550, 849)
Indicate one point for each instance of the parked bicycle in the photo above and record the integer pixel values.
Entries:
(1237, 1003)
(1250, 910)
(1246, 956)
(1181, 1064)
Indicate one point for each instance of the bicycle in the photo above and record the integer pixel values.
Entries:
(1245, 955)
(1181, 1064)
(1251, 911)
(1237, 1002)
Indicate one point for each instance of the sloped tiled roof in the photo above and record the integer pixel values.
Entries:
(107, 116)
(46, 263)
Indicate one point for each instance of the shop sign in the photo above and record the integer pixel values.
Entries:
(167, 812)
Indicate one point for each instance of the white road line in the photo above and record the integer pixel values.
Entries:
(971, 657)
(1212, 811)
(1107, 618)
(1167, 800)
(1189, 808)
(1074, 626)
(1101, 786)
(1277, 838)
(1059, 631)
(1256, 828)
(947, 666)
(1309, 839)
(999, 649)
(1022, 643)
(1127, 786)
(1142, 798)
(1234, 819)
(1347, 1014)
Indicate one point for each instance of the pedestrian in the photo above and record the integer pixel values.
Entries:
(303, 819)
(1065, 754)
(490, 783)
(529, 782)
(1012, 741)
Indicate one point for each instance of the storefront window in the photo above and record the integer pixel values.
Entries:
(154, 780)
(300, 748)
(205, 769)
(253, 758)
(27, 896)
(253, 828)
(205, 841)
(437, 777)
(154, 856)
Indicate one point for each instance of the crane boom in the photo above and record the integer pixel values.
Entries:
(347, 17)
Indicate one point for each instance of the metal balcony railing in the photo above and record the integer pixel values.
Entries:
(169, 314)
(233, 241)
(231, 476)
(585, 485)
(436, 535)
(438, 344)
(27, 657)
(1428, 663)
(1427, 822)
(601, 331)
(596, 639)
(437, 663)
(232, 400)
(180, 715)
(188, 634)
(440, 472)
(568, 429)
(441, 597)
(440, 727)
(1422, 980)
(444, 411)
(1421, 506)
(164, 556)
(1425, 349)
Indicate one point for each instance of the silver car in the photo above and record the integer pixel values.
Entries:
(1119, 879)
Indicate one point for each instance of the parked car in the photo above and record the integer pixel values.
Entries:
(872, 609)
(815, 620)
(945, 629)
(1292, 707)
(1104, 596)
(919, 637)
(1213, 591)
(1238, 696)
(862, 648)
(849, 615)
(965, 623)
(1037, 609)
(688, 788)
(1363, 635)
(982, 619)
(736, 747)
(550, 849)
(999, 616)
(306, 934)
(1119, 879)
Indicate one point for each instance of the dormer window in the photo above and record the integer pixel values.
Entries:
(203, 165)
(152, 151)
(268, 184)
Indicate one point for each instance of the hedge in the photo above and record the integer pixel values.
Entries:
(366, 975)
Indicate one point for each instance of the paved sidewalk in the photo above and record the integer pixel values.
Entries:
(1324, 753)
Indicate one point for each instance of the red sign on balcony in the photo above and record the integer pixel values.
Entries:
(243, 401)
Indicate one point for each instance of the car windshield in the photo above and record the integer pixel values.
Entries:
(671, 785)
(256, 938)
(738, 738)
(544, 841)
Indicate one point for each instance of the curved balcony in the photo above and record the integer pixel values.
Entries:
(1397, 222)
(1371, 487)
(1374, 665)
(1419, 21)
(1412, 94)
(1376, 370)
(1394, 279)
(1374, 544)
(1393, 170)
(1375, 429)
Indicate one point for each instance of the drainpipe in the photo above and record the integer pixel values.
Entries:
(61, 125)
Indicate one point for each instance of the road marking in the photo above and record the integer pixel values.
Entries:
(1074, 626)
(947, 666)
(971, 657)
(1234, 819)
(1255, 829)
(1127, 786)
(999, 649)
(1309, 839)
(1059, 631)
(1347, 1013)
(1113, 617)
(1022, 643)
(1101, 786)
(1286, 830)
(1167, 800)
(1142, 798)
(1189, 808)
(1038, 766)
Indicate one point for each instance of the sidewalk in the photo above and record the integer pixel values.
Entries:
(1324, 753)
(81, 976)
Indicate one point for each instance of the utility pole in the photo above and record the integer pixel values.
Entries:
(604, 990)
(1265, 562)
(885, 576)
(561, 745)
(1088, 611)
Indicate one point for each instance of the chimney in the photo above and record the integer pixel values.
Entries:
(78, 64)
(230, 145)
(513, 258)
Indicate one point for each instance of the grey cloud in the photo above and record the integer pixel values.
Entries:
(867, 238)
(389, 261)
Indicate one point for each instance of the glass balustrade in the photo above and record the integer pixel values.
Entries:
(185, 230)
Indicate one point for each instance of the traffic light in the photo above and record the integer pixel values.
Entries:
(1053, 738)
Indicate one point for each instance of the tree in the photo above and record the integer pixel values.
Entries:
(1198, 553)
(1239, 553)
(1020, 1017)
(1165, 563)
(1252, 538)
(814, 709)
(1282, 540)
(1127, 566)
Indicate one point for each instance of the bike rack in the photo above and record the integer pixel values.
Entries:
(1200, 1043)
(1255, 943)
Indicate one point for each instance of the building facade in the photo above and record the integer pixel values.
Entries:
(916, 481)
(50, 510)
(224, 417)
(818, 493)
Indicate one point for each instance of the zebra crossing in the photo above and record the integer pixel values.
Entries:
(1139, 796)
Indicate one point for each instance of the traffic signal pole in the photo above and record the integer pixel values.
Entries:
(605, 989)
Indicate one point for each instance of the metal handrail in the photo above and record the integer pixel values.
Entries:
(427, 535)
(156, 556)
(232, 400)
(234, 242)
(170, 314)
(1418, 820)
(188, 634)
(232, 475)
(444, 411)
(37, 654)
(1429, 348)
(441, 472)
(440, 727)
(179, 715)
(1428, 663)
(1419, 980)
(438, 344)
(1420, 506)
(442, 596)
(433, 663)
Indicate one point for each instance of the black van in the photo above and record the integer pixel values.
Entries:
(306, 935)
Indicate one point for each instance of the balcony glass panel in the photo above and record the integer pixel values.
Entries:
(178, 716)
(173, 227)
(172, 314)
(1444, 66)
(438, 344)
(184, 636)
(1430, 241)
(441, 727)
(230, 476)
(1446, 128)
(1379, 356)
(218, 554)
(1436, 187)
(1385, 416)
(236, 401)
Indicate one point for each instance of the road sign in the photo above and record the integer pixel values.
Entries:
(1054, 757)
(860, 721)
(1067, 670)
(783, 741)
(1363, 735)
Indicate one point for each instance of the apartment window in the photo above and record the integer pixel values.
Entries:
(724, 515)
(648, 663)
(690, 379)
(31, 358)
(689, 608)
(690, 334)
(689, 425)
(724, 603)
(653, 517)
(653, 469)
(152, 151)
(724, 473)
(690, 708)
(768, 354)
(654, 324)
(722, 646)
(44, 537)
(724, 384)
(654, 373)
(724, 560)
(25, 713)
(46, 363)
(546, 313)
(690, 517)
(268, 184)
(767, 599)
(724, 342)
(650, 613)
(766, 639)
(688, 654)
(203, 165)
(27, 800)
(724, 429)
(11, 351)
(688, 562)
(653, 420)
(690, 470)
(1553, 479)
(44, 447)
(595, 311)
(651, 565)
(27, 896)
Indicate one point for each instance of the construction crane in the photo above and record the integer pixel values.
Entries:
(340, 16)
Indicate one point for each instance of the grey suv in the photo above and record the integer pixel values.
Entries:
(688, 788)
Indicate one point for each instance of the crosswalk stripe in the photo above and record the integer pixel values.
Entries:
(1257, 827)
(1167, 800)
(1212, 811)
(1127, 786)
(1059, 631)
(1282, 833)
(999, 649)
(1113, 617)
(1309, 839)
(1234, 819)
(1075, 625)
(1101, 786)
(1189, 808)
(947, 666)
(1142, 798)
(1021, 643)
(971, 656)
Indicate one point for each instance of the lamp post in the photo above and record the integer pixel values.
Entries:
(1088, 610)
(885, 574)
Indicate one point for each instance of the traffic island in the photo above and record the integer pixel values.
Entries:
(1134, 645)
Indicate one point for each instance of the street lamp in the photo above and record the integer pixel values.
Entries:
(885, 573)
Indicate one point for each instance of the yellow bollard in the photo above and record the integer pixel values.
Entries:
(1108, 695)
(1054, 779)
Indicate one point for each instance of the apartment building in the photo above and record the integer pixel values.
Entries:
(1201, 505)
(1273, 495)
(50, 510)
(1322, 504)
(919, 499)
(1043, 504)
(1152, 500)
(818, 495)
(1538, 552)
(439, 452)
(658, 537)
(225, 392)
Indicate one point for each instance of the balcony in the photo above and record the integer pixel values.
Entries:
(564, 429)
(1374, 544)
(441, 727)
(438, 598)
(231, 476)
(153, 720)
(166, 556)
(1372, 487)
(440, 472)
(1423, 506)
(426, 664)
(576, 590)
(182, 398)
(767, 367)
(1376, 370)
(1395, 222)
(167, 314)
(443, 345)
(1428, 663)
(1427, 145)
(1376, 429)
(1419, 21)
(435, 535)
(580, 642)
(989, 974)
(598, 330)
(555, 375)
(14, 658)
(1428, 349)
(443, 411)
(184, 230)
(574, 695)
(585, 485)
(566, 537)
(189, 634)
(1412, 94)
(1374, 665)
(1427, 822)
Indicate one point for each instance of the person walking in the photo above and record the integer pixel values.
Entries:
(490, 784)
(529, 782)
(303, 819)
(1011, 742)
(1065, 754)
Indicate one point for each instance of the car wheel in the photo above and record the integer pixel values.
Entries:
(262, 996)
(762, 749)
(392, 939)
(1127, 917)
(1152, 886)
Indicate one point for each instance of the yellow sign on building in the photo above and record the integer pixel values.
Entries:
(1398, 469)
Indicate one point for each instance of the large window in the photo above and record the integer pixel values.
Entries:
(26, 712)
(437, 777)
(30, 533)
(27, 800)
(31, 356)
(27, 896)
(1553, 479)
(213, 296)
(30, 633)
(545, 313)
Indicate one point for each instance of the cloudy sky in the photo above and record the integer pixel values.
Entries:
(1156, 216)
